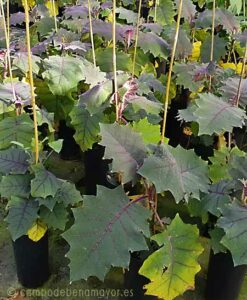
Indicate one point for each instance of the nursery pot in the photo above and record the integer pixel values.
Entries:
(96, 169)
(224, 280)
(133, 280)
(31, 261)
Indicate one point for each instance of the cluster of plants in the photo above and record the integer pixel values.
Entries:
(115, 73)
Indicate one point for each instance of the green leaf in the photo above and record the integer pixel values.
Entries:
(173, 267)
(125, 14)
(125, 147)
(48, 202)
(100, 94)
(56, 145)
(59, 105)
(104, 60)
(13, 161)
(149, 132)
(63, 73)
(86, 126)
(230, 90)
(214, 115)
(234, 223)
(222, 17)
(188, 9)
(186, 76)
(235, 6)
(15, 185)
(218, 196)
(68, 194)
(21, 62)
(16, 129)
(151, 42)
(55, 218)
(165, 12)
(216, 236)
(219, 49)
(99, 241)
(176, 170)
(22, 214)
(44, 183)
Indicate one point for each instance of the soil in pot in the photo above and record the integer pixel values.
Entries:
(224, 280)
(31, 261)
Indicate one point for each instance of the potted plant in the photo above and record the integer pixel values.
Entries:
(36, 198)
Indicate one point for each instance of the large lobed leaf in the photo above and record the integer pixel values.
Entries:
(176, 170)
(214, 115)
(234, 223)
(125, 147)
(104, 239)
(44, 183)
(63, 73)
(172, 268)
(86, 126)
(16, 129)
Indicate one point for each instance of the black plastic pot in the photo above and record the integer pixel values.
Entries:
(31, 261)
(135, 282)
(224, 280)
(96, 169)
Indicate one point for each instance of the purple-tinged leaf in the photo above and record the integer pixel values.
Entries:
(13, 161)
(17, 18)
(106, 238)
(222, 17)
(22, 214)
(125, 147)
(230, 90)
(152, 43)
(76, 11)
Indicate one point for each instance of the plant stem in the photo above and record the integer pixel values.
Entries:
(136, 37)
(212, 43)
(54, 13)
(114, 58)
(155, 9)
(7, 39)
(36, 137)
(166, 100)
(8, 20)
(91, 31)
(241, 75)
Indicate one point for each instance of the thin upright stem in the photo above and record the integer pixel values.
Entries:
(166, 100)
(91, 32)
(212, 43)
(114, 58)
(241, 75)
(156, 4)
(36, 137)
(136, 37)
(7, 39)
(54, 14)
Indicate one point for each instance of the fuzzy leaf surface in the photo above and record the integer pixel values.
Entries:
(86, 126)
(214, 115)
(16, 129)
(99, 241)
(176, 170)
(22, 214)
(125, 147)
(13, 161)
(44, 183)
(15, 185)
(63, 73)
(234, 223)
